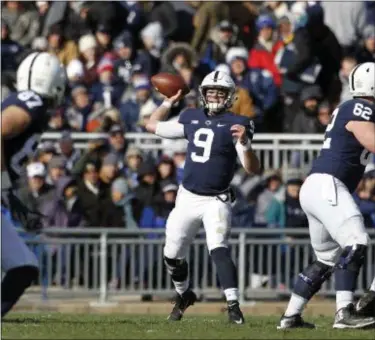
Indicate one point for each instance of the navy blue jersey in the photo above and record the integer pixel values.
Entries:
(211, 155)
(20, 148)
(342, 156)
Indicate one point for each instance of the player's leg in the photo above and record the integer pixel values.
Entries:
(335, 208)
(19, 264)
(309, 282)
(366, 304)
(344, 222)
(182, 226)
(216, 221)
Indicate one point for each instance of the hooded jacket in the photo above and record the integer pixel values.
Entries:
(61, 213)
(174, 50)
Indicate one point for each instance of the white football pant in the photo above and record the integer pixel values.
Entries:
(14, 252)
(334, 218)
(190, 212)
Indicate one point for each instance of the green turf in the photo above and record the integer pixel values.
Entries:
(64, 326)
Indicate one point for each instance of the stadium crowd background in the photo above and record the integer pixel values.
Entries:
(290, 61)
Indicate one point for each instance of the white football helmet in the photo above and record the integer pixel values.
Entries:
(362, 80)
(43, 73)
(220, 80)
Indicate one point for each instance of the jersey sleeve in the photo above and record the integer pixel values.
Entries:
(171, 130)
(185, 119)
(360, 111)
(184, 116)
(31, 102)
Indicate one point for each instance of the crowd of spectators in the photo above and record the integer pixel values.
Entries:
(290, 61)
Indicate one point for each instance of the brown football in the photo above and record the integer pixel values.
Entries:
(168, 84)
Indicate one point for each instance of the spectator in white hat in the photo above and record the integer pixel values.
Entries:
(37, 192)
(89, 56)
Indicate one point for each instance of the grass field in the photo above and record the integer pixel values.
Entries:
(75, 326)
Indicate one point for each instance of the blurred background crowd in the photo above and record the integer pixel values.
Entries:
(290, 61)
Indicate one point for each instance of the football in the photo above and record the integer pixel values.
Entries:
(168, 84)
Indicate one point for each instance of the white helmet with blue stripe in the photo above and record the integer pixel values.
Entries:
(362, 80)
(42, 73)
(217, 80)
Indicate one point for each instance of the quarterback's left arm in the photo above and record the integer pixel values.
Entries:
(247, 156)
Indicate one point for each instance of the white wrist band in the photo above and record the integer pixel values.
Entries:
(166, 104)
(6, 183)
(245, 147)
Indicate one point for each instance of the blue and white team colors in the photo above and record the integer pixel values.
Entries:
(19, 149)
(337, 231)
(342, 155)
(203, 197)
(335, 221)
(41, 81)
(211, 154)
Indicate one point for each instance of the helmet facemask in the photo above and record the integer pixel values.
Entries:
(224, 96)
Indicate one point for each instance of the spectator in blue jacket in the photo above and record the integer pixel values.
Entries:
(243, 212)
(259, 83)
(130, 110)
(133, 160)
(156, 214)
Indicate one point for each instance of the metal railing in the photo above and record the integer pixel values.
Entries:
(275, 151)
(107, 262)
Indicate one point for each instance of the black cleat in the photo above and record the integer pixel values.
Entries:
(366, 304)
(294, 321)
(181, 303)
(347, 317)
(234, 313)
